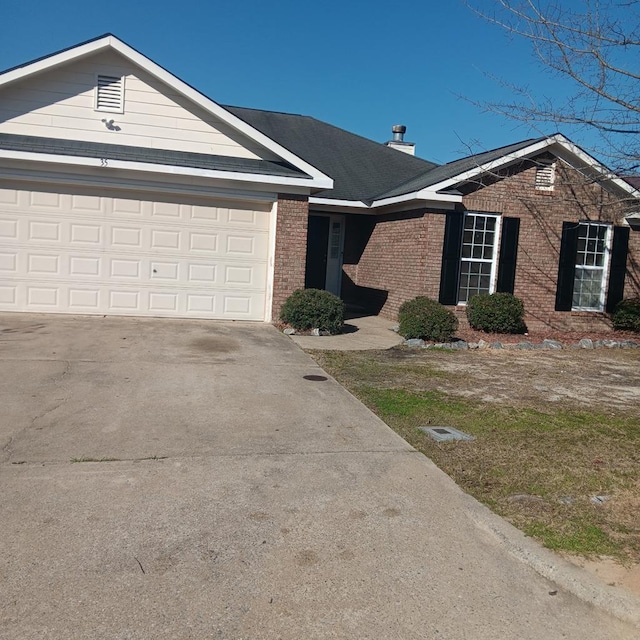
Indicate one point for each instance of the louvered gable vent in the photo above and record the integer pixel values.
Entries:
(545, 176)
(110, 94)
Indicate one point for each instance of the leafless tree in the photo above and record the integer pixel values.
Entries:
(595, 46)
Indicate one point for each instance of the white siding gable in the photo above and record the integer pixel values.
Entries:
(62, 104)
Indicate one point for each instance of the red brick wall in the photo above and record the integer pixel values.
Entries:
(291, 248)
(541, 216)
(402, 257)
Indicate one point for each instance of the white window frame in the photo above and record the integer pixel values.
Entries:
(96, 106)
(604, 268)
(496, 248)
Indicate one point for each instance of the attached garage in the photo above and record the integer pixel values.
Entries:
(118, 252)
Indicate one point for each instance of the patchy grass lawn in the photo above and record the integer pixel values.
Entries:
(553, 429)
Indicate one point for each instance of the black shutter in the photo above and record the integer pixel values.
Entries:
(618, 267)
(450, 271)
(567, 266)
(508, 255)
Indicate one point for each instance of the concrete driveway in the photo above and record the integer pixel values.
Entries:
(186, 479)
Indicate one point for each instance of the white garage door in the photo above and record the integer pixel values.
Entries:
(102, 252)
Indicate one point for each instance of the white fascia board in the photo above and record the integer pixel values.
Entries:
(491, 166)
(573, 152)
(175, 83)
(107, 163)
(590, 163)
(425, 195)
(55, 60)
(424, 198)
(331, 202)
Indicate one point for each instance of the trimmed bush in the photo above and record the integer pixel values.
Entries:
(626, 316)
(426, 319)
(308, 309)
(496, 313)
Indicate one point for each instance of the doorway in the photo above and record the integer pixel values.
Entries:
(325, 245)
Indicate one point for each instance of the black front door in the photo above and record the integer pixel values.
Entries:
(317, 245)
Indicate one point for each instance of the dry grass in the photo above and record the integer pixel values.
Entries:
(552, 430)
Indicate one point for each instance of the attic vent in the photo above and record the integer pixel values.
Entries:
(545, 176)
(110, 93)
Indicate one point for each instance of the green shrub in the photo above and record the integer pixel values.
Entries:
(496, 313)
(627, 315)
(426, 319)
(308, 309)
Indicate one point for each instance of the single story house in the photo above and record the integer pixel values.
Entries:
(125, 191)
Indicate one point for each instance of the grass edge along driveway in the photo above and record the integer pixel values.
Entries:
(541, 465)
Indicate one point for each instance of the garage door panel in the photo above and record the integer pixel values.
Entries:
(84, 300)
(8, 230)
(90, 252)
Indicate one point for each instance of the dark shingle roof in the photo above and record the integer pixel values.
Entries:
(360, 168)
(455, 168)
(141, 154)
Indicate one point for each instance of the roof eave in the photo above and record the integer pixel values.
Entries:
(147, 167)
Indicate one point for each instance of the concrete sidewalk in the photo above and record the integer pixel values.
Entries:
(361, 333)
(231, 489)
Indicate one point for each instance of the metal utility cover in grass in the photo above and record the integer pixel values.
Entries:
(443, 434)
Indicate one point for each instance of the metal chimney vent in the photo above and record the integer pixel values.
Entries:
(398, 131)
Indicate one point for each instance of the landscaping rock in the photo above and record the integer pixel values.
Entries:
(395, 328)
(523, 345)
(611, 344)
(315, 332)
(628, 344)
(599, 344)
(586, 343)
(483, 344)
(473, 345)
(551, 344)
(460, 344)
(289, 331)
(414, 342)
(599, 500)
(497, 345)
(566, 500)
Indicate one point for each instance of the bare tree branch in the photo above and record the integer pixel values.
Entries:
(596, 48)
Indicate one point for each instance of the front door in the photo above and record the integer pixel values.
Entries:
(325, 242)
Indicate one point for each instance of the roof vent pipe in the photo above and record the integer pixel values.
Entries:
(398, 143)
(398, 131)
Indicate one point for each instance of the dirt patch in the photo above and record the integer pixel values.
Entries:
(578, 377)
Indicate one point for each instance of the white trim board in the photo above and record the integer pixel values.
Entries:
(148, 167)
(320, 180)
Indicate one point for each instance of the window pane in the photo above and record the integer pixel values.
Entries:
(478, 253)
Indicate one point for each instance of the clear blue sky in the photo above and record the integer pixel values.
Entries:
(362, 65)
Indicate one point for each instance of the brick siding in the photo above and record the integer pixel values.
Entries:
(292, 220)
(541, 214)
(400, 255)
